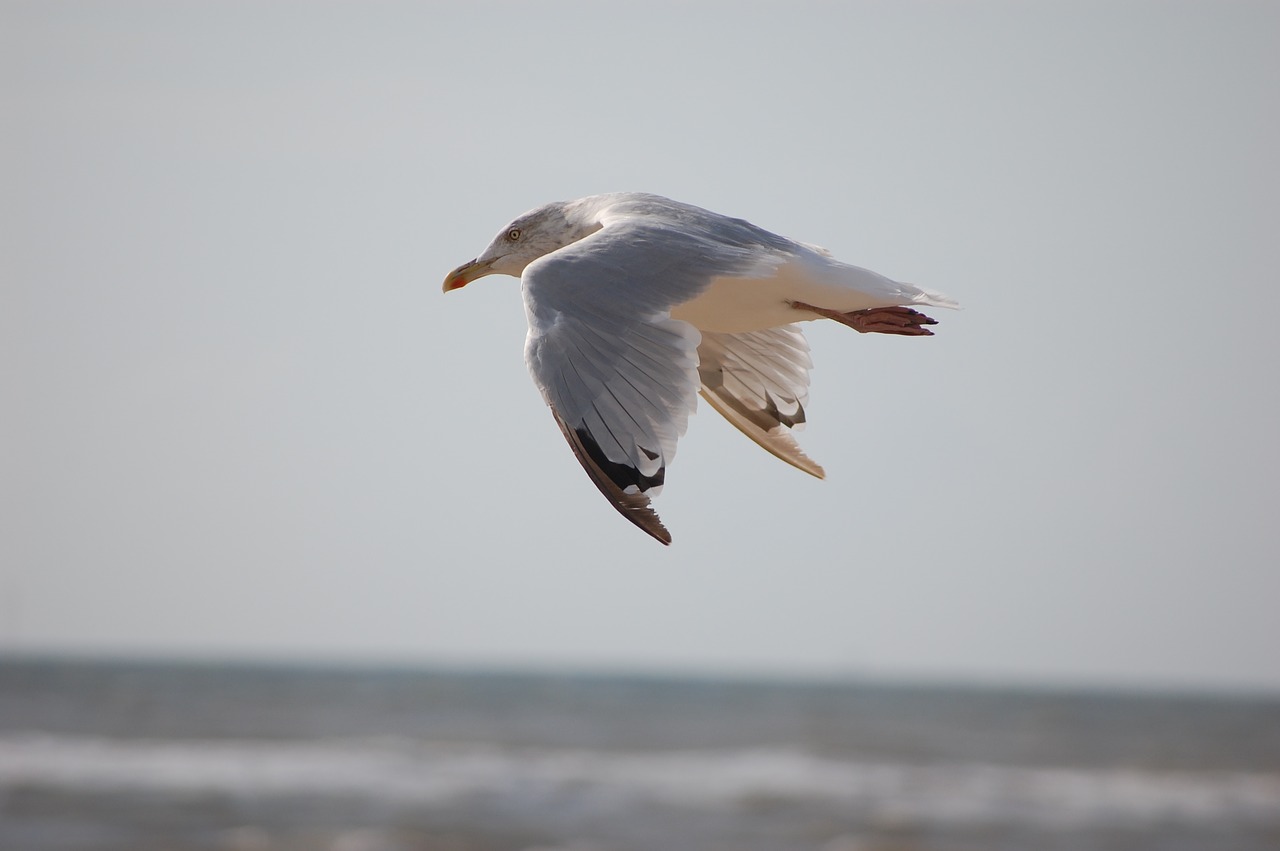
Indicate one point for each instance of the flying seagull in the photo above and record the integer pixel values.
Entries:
(636, 303)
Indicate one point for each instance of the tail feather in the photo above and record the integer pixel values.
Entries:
(932, 298)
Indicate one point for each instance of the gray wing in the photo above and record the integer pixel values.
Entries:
(759, 381)
(620, 375)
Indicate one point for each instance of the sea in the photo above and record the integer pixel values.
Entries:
(148, 756)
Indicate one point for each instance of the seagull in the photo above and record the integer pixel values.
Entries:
(637, 304)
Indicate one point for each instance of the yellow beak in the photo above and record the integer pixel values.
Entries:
(465, 274)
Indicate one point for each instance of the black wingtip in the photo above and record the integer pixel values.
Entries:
(611, 479)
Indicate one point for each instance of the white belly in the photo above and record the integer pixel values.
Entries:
(734, 305)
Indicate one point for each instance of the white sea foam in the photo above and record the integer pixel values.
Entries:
(420, 773)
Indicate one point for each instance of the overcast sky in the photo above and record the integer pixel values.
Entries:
(240, 418)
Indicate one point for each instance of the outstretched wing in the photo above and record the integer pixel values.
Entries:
(759, 381)
(620, 375)
(621, 392)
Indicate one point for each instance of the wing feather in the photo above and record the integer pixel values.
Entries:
(620, 375)
(633, 506)
(759, 381)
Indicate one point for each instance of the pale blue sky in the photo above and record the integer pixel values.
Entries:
(239, 417)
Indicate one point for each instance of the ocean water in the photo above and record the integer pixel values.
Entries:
(163, 757)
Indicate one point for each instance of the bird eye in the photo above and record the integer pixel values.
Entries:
(513, 234)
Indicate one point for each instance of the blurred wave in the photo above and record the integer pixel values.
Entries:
(128, 756)
(411, 772)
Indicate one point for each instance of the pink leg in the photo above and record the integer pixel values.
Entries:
(877, 320)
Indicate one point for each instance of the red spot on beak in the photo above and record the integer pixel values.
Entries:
(461, 276)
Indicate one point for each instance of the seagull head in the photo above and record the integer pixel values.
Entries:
(532, 235)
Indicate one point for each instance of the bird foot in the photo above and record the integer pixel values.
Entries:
(877, 320)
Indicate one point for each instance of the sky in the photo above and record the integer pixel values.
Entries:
(239, 419)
